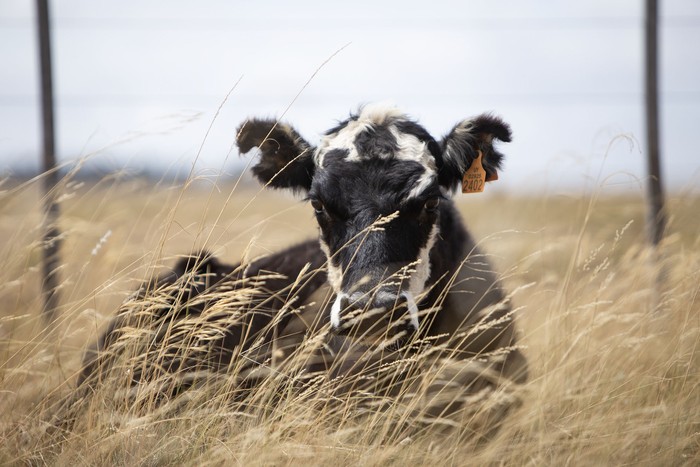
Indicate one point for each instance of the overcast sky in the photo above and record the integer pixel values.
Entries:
(140, 81)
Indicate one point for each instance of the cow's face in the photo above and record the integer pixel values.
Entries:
(377, 183)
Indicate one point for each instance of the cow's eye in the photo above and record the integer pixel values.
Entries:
(317, 205)
(432, 204)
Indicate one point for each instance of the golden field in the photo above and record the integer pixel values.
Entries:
(615, 363)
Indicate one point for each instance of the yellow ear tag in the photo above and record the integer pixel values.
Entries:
(474, 177)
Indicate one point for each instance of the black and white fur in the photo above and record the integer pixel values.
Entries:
(391, 248)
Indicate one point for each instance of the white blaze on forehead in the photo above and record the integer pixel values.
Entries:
(409, 147)
(344, 139)
(372, 114)
(413, 149)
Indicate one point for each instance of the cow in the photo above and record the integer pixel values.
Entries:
(393, 266)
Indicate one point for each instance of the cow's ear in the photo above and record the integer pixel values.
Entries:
(286, 159)
(461, 147)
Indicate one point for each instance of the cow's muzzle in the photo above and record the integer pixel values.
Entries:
(385, 313)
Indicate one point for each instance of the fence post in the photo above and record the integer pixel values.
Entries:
(51, 240)
(656, 216)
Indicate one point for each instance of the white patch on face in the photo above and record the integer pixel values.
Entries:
(335, 273)
(335, 310)
(335, 279)
(410, 147)
(344, 139)
(426, 179)
(413, 149)
(412, 309)
(416, 284)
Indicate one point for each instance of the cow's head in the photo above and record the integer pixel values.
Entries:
(378, 184)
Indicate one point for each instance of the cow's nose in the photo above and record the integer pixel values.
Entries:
(359, 314)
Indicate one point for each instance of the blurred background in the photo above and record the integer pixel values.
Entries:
(137, 84)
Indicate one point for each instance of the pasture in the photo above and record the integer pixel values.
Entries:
(614, 367)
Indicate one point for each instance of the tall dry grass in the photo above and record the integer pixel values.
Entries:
(614, 369)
